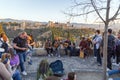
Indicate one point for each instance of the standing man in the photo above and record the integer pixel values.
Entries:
(117, 43)
(20, 45)
(97, 42)
(111, 44)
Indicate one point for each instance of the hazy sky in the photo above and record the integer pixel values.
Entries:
(38, 10)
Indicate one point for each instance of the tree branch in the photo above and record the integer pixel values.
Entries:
(73, 14)
(86, 3)
(96, 10)
(115, 15)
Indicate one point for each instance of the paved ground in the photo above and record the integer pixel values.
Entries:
(86, 69)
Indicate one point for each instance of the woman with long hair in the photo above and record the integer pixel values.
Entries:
(44, 70)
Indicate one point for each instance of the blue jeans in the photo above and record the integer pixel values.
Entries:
(0, 54)
(21, 57)
(116, 78)
(24, 56)
(16, 75)
(113, 72)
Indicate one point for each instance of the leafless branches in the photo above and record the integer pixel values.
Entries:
(116, 14)
(87, 7)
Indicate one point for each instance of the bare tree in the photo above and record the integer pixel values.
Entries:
(106, 10)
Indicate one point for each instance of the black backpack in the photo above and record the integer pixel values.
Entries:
(57, 68)
(4, 45)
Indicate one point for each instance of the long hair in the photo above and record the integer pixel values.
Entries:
(4, 56)
(71, 75)
(12, 52)
(43, 67)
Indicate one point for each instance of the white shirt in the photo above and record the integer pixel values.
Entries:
(98, 40)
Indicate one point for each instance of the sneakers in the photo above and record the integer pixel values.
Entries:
(30, 62)
(110, 79)
(24, 73)
(107, 74)
(108, 69)
(99, 64)
(49, 55)
(115, 64)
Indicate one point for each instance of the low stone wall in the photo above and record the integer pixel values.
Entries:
(42, 52)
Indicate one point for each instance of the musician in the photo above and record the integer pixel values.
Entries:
(67, 47)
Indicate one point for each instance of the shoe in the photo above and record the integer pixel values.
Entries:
(24, 73)
(115, 64)
(110, 79)
(30, 62)
(48, 55)
(95, 57)
(59, 56)
(51, 54)
(107, 74)
(99, 64)
(108, 69)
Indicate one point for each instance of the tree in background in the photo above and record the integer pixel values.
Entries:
(106, 11)
(1, 29)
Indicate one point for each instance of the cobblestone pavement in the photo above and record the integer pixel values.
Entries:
(84, 66)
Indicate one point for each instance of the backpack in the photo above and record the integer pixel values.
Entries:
(4, 45)
(57, 68)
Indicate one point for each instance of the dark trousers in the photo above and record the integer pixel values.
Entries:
(98, 56)
(109, 56)
(49, 50)
(94, 50)
(66, 50)
(117, 57)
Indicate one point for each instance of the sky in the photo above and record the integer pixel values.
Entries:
(39, 10)
(36, 10)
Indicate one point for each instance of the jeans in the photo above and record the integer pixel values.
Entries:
(0, 54)
(113, 72)
(21, 57)
(116, 78)
(16, 75)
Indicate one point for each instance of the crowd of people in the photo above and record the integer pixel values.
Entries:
(13, 56)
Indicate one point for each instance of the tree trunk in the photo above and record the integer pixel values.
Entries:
(105, 52)
(106, 40)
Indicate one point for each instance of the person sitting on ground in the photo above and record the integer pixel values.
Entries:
(52, 78)
(6, 60)
(14, 61)
(4, 42)
(48, 47)
(4, 73)
(71, 76)
(73, 49)
(44, 70)
(112, 72)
